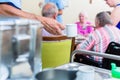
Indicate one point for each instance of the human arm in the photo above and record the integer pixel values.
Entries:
(51, 25)
(60, 7)
(87, 44)
(8, 10)
(115, 15)
(60, 12)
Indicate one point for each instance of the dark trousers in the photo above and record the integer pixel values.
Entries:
(83, 59)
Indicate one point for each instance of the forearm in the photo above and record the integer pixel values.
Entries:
(87, 44)
(8, 10)
(60, 12)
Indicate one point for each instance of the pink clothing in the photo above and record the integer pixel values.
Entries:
(84, 31)
(99, 39)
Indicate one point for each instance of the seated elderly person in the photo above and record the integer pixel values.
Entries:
(99, 39)
(51, 11)
(84, 27)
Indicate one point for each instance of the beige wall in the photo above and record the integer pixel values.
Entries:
(75, 6)
(70, 14)
(31, 6)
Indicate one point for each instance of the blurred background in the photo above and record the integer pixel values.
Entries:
(70, 13)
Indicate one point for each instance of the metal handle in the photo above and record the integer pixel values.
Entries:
(110, 56)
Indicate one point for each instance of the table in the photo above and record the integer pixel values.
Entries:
(100, 74)
(79, 39)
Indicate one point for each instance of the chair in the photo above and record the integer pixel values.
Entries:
(56, 51)
(113, 48)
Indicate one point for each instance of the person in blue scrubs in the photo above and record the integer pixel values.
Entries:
(60, 7)
(14, 3)
(13, 8)
(115, 14)
(118, 25)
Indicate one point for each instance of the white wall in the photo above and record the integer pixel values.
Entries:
(70, 14)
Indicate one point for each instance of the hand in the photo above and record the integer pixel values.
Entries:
(52, 26)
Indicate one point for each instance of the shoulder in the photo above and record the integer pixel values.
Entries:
(76, 22)
(59, 0)
(116, 11)
(88, 22)
(115, 15)
(60, 4)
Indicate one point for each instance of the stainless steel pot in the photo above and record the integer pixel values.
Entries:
(56, 74)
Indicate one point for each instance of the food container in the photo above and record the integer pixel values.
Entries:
(20, 44)
(56, 74)
(115, 71)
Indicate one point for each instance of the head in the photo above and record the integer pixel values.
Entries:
(83, 16)
(112, 3)
(103, 19)
(50, 10)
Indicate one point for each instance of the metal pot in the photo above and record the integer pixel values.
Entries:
(56, 74)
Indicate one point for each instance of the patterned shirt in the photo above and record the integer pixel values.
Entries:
(99, 39)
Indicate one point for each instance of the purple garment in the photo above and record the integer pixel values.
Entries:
(84, 31)
(46, 33)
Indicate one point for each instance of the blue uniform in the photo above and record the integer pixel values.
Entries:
(59, 5)
(118, 25)
(14, 3)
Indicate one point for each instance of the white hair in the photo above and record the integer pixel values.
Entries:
(84, 13)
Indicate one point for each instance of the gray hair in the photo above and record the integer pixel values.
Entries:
(104, 18)
(49, 10)
(84, 13)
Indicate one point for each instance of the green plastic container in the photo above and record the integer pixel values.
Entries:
(115, 71)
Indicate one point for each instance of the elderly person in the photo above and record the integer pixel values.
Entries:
(84, 27)
(99, 39)
(51, 11)
(60, 7)
(115, 14)
(13, 8)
